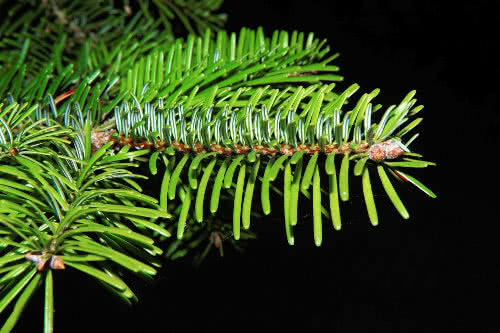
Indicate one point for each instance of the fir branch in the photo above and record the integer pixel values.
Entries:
(77, 221)
(88, 92)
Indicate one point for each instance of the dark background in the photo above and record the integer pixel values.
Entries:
(431, 273)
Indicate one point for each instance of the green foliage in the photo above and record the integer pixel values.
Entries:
(79, 32)
(226, 120)
(82, 210)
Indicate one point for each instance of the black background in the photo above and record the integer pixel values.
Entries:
(431, 273)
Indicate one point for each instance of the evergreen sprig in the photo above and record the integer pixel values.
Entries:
(77, 209)
(87, 93)
(66, 31)
(212, 150)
